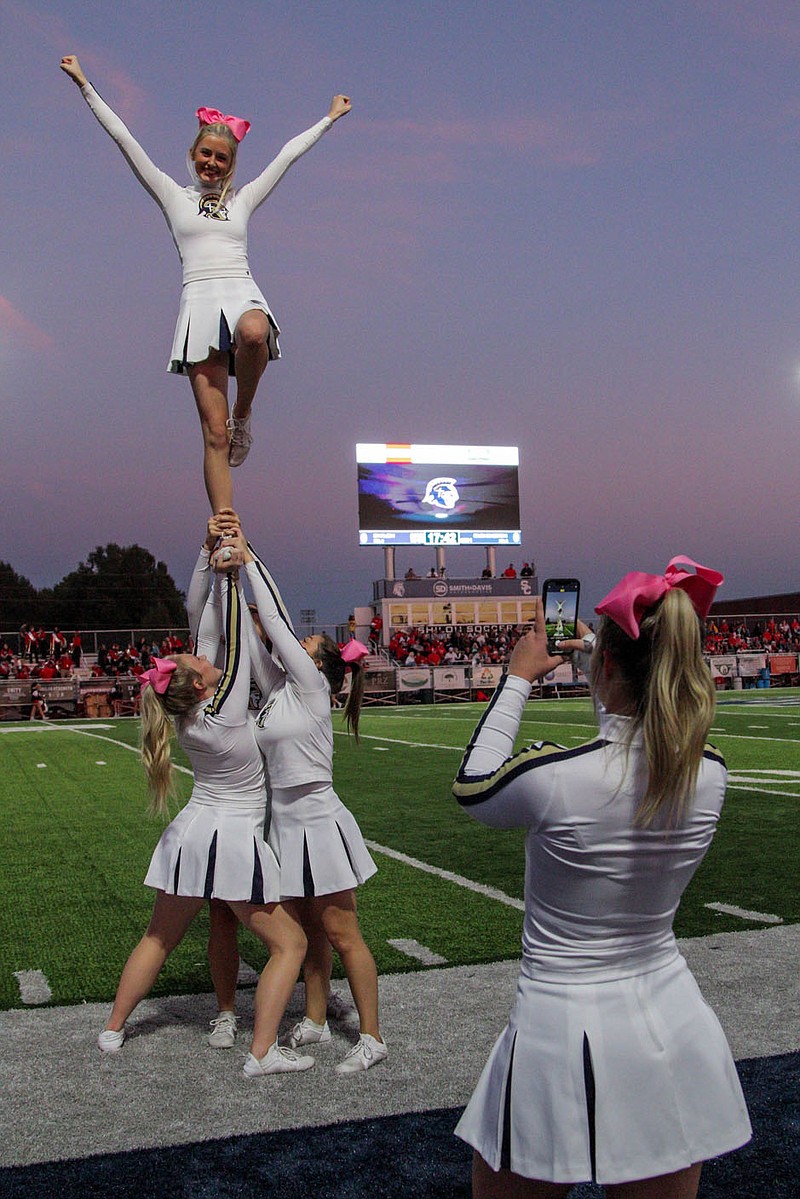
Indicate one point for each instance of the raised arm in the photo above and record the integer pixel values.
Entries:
(264, 670)
(492, 784)
(151, 178)
(231, 699)
(256, 192)
(296, 662)
(205, 619)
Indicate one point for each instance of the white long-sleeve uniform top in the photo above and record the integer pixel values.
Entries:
(210, 245)
(217, 736)
(600, 895)
(294, 729)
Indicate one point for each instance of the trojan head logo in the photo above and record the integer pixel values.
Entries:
(210, 207)
(261, 719)
(441, 493)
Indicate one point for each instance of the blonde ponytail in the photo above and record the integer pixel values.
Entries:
(156, 734)
(672, 699)
(678, 710)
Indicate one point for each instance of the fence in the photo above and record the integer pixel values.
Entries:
(385, 685)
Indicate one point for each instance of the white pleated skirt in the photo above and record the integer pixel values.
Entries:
(317, 842)
(216, 851)
(209, 312)
(607, 1082)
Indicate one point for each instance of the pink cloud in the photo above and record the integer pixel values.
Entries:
(555, 138)
(14, 327)
(53, 33)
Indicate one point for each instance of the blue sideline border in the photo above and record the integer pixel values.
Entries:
(396, 1156)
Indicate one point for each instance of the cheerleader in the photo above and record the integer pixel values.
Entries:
(612, 1066)
(215, 847)
(322, 854)
(225, 326)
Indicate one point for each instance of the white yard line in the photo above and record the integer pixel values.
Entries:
(730, 909)
(420, 953)
(448, 876)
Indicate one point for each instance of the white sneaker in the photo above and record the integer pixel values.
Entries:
(277, 1060)
(111, 1041)
(306, 1032)
(240, 440)
(223, 1034)
(342, 1010)
(366, 1052)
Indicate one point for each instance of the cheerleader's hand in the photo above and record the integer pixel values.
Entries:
(530, 659)
(70, 66)
(231, 553)
(582, 644)
(229, 519)
(222, 522)
(340, 106)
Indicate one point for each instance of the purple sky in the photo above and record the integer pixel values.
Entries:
(565, 226)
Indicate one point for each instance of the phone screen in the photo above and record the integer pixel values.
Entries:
(560, 598)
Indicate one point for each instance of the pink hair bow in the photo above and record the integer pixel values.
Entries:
(354, 651)
(627, 603)
(212, 116)
(159, 675)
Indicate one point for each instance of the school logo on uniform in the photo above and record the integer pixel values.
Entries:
(210, 207)
(264, 713)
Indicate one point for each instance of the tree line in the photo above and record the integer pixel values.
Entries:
(117, 586)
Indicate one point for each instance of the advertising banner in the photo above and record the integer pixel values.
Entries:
(413, 679)
(450, 678)
(751, 664)
(560, 676)
(379, 680)
(783, 663)
(724, 666)
(440, 589)
(486, 676)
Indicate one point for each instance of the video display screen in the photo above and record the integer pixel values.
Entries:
(438, 495)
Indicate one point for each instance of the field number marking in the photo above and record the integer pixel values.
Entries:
(34, 988)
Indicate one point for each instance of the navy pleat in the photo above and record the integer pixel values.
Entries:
(347, 850)
(176, 875)
(257, 889)
(505, 1146)
(308, 877)
(591, 1095)
(208, 889)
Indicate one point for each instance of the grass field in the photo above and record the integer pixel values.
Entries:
(77, 842)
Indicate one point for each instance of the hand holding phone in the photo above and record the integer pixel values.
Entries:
(560, 603)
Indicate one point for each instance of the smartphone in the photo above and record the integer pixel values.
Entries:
(560, 602)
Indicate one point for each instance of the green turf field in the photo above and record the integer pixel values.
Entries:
(77, 842)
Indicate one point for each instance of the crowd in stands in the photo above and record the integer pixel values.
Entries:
(439, 572)
(52, 655)
(421, 647)
(493, 644)
(773, 636)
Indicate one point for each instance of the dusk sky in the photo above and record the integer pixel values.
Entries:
(567, 225)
